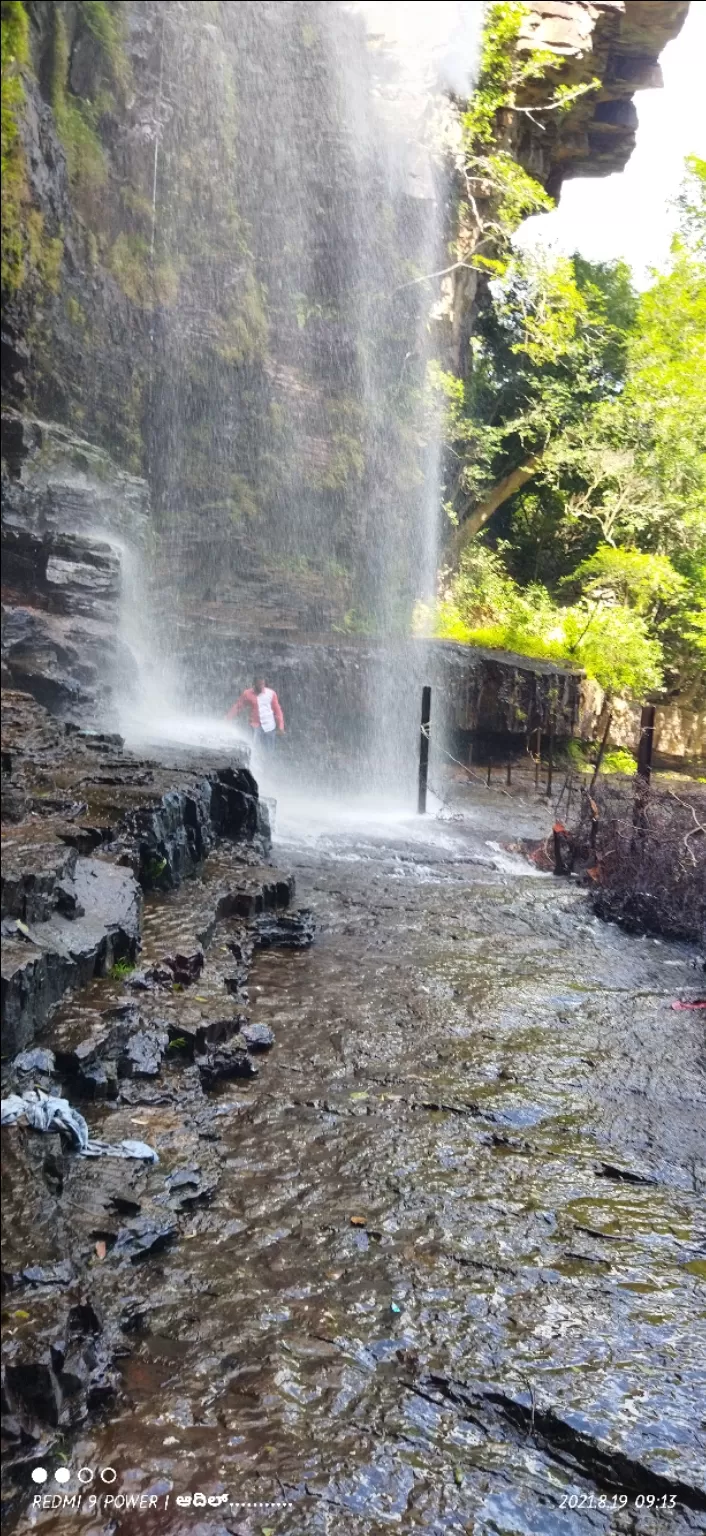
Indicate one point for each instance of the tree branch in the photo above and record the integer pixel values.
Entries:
(500, 493)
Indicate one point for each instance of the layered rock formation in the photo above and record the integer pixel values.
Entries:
(613, 48)
(86, 828)
(68, 516)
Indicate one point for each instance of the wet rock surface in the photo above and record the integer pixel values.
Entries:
(86, 828)
(436, 1266)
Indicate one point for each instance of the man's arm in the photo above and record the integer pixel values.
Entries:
(236, 708)
(277, 712)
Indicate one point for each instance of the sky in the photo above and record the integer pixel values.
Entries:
(627, 215)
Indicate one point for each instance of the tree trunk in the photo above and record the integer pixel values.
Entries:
(500, 493)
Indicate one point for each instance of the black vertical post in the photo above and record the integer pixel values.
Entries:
(538, 756)
(647, 738)
(644, 766)
(489, 774)
(550, 766)
(424, 751)
(508, 772)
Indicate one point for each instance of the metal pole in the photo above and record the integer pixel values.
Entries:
(644, 766)
(424, 751)
(647, 738)
(538, 756)
(601, 753)
(550, 769)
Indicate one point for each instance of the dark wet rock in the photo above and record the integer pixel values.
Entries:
(35, 878)
(52, 1384)
(235, 981)
(188, 1187)
(69, 951)
(61, 639)
(142, 1238)
(256, 894)
(185, 969)
(39, 1062)
(234, 804)
(61, 1273)
(150, 980)
(225, 1061)
(293, 930)
(191, 1039)
(623, 1175)
(99, 1080)
(30, 1381)
(121, 1045)
(103, 1387)
(144, 1053)
(258, 1037)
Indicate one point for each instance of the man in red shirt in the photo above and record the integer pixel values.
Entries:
(264, 712)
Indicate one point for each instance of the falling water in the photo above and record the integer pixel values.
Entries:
(297, 169)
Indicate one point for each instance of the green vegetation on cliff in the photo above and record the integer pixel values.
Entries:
(28, 252)
(574, 441)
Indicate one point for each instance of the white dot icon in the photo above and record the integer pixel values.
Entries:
(40, 1475)
(62, 1475)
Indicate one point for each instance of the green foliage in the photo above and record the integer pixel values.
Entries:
(691, 203)
(155, 869)
(106, 23)
(121, 969)
(617, 760)
(548, 348)
(603, 391)
(144, 282)
(15, 56)
(75, 119)
(648, 583)
(28, 253)
(516, 194)
(483, 606)
(665, 393)
(501, 71)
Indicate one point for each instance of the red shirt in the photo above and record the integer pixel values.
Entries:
(248, 700)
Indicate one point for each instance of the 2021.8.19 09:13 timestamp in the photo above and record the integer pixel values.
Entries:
(614, 1501)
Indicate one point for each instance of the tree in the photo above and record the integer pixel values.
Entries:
(551, 343)
(577, 448)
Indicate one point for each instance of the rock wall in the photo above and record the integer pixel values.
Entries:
(172, 304)
(200, 317)
(68, 516)
(86, 828)
(616, 43)
(352, 706)
(680, 729)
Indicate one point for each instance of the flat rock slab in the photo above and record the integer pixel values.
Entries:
(64, 952)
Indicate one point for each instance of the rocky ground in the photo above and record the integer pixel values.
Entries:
(421, 1248)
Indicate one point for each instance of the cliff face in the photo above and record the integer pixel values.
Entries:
(227, 311)
(611, 46)
(617, 42)
(212, 285)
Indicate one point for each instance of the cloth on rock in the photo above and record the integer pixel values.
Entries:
(46, 1112)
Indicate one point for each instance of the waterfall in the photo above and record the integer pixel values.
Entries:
(296, 220)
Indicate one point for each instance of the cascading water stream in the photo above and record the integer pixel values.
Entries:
(298, 171)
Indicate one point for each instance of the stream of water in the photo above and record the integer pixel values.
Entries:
(448, 1280)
